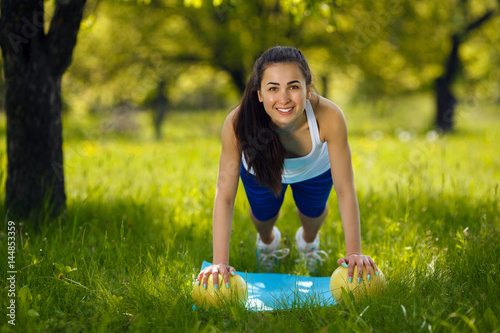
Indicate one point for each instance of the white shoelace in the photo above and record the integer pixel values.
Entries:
(267, 260)
(314, 258)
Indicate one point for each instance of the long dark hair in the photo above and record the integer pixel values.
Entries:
(254, 129)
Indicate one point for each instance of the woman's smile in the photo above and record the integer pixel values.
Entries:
(285, 111)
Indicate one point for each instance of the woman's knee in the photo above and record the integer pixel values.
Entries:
(314, 214)
(261, 219)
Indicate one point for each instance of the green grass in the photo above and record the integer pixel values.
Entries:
(138, 226)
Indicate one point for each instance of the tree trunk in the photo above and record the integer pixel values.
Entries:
(34, 140)
(239, 78)
(445, 100)
(324, 85)
(160, 106)
(34, 63)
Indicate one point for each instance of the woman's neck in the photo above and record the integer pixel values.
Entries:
(291, 128)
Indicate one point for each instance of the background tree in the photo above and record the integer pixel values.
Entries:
(236, 32)
(201, 51)
(34, 63)
(136, 64)
(400, 47)
(445, 99)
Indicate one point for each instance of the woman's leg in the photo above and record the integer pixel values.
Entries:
(264, 205)
(311, 225)
(311, 198)
(265, 228)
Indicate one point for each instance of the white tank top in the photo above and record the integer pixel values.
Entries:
(309, 166)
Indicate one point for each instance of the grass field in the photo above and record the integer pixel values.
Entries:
(138, 226)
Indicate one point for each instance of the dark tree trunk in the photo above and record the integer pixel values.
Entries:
(324, 85)
(160, 107)
(445, 100)
(34, 140)
(239, 78)
(34, 63)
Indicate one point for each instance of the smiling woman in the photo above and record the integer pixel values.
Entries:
(281, 79)
(282, 134)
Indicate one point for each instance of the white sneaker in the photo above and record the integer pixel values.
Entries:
(269, 254)
(309, 253)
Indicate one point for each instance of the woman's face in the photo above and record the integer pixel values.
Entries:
(283, 91)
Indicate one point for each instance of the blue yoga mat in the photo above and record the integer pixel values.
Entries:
(270, 291)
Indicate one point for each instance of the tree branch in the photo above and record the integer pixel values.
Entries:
(477, 23)
(452, 61)
(62, 33)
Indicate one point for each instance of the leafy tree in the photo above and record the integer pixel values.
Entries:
(161, 42)
(235, 33)
(445, 99)
(405, 46)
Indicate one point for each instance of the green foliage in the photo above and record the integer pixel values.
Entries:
(201, 49)
(204, 50)
(138, 226)
(402, 45)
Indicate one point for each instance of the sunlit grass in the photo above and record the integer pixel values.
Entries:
(138, 227)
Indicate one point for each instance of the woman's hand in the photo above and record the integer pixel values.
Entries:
(361, 261)
(223, 269)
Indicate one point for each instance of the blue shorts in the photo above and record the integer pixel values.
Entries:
(310, 195)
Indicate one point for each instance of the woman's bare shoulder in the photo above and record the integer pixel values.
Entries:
(231, 117)
(228, 130)
(329, 116)
(324, 107)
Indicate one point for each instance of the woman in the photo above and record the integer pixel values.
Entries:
(280, 134)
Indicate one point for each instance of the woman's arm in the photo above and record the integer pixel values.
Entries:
(334, 129)
(227, 185)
